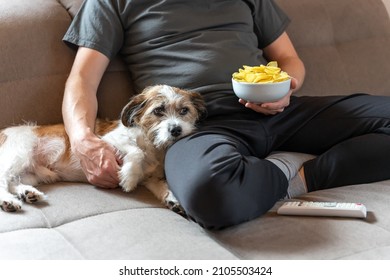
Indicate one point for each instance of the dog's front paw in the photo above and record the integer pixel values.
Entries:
(129, 176)
(128, 185)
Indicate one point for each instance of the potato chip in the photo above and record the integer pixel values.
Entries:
(269, 73)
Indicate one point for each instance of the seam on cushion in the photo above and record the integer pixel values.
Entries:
(206, 233)
(334, 44)
(371, 248)
(53, 230)
(383, 228)
(9, 81)
(362, 251)
(108, 212)
(70, 243)
(67, 10)
(65, 74)
(49, 226)
(329, 19)
(225, 246)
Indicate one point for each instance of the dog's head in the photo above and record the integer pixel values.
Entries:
(164, 113)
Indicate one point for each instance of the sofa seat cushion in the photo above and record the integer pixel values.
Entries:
(79, 221)
(311, 238)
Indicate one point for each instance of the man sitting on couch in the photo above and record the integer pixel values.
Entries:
(223, 174)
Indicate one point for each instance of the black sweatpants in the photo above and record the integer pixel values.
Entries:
(219, 174)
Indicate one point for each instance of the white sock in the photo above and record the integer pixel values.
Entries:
(290, 163)
(296, 187)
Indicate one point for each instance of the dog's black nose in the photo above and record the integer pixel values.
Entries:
(175, 131)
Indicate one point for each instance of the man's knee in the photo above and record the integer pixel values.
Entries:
(215, 197)
(217, 185)
(210, 202)
(203, 183)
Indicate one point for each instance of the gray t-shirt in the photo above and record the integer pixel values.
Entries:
(194, 44)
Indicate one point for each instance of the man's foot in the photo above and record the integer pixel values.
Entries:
(290, 163)
(297, 185)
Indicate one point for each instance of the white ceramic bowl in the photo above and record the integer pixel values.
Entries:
(261, 92)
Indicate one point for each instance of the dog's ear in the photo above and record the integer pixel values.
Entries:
(200, 105)
(131, 112)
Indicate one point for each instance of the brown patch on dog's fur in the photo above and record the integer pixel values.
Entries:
(3, 138)
(102, 127)
(54, 131)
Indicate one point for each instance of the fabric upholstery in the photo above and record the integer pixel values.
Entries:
(338, 40)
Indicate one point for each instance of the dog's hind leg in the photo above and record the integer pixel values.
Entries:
(159, 188)
(27, 193)
(16, 154)
(172, 203)
(8, 202)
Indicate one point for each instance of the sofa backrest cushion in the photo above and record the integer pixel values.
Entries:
(343, 43)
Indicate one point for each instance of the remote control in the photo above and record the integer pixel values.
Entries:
(309, 208)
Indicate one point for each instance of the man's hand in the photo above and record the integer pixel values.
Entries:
(99, 161)
(272, 108)
(282, 51)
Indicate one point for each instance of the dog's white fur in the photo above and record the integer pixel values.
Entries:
(149, 124)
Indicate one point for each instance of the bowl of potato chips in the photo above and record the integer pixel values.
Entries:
(261, 84)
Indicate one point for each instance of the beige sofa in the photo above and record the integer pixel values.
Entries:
(345, 45)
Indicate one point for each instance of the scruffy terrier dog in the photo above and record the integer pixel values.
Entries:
(149, 124)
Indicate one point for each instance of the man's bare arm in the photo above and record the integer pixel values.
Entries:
(79, 109)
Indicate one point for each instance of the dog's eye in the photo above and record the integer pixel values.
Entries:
(184, 111)
(159, 111)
